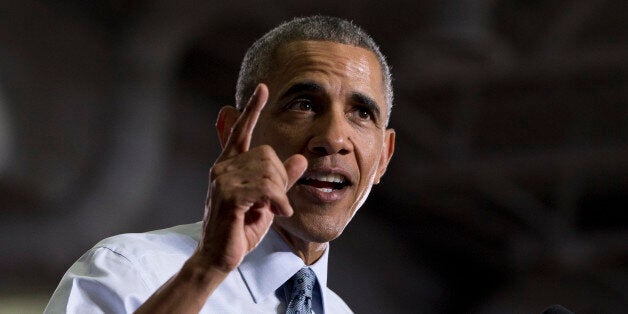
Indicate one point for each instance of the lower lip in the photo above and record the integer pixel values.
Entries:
(324, 197)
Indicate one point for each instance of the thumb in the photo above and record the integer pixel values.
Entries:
(295, 167)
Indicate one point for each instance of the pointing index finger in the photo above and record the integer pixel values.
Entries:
(240, 138)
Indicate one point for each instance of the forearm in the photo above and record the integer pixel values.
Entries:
(186, 291)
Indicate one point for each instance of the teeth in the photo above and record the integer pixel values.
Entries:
(326, 190)
(332, 177)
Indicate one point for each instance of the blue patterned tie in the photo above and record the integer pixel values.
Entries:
(302, 287)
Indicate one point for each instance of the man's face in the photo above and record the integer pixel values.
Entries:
(326, 102)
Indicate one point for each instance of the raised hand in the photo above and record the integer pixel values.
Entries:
(247, 188)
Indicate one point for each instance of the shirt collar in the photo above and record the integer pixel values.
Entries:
(272, 263)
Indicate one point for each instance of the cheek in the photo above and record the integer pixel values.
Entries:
(367, 152)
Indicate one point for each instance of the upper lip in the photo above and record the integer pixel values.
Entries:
(328, 174)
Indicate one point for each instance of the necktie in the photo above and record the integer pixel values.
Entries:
(302, 287)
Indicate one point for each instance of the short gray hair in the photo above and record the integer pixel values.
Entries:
(258, 59)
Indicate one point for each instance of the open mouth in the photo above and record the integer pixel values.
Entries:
(325, 182)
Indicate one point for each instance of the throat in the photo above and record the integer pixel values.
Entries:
(309, 252)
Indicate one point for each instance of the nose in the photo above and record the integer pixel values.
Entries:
(331, 135)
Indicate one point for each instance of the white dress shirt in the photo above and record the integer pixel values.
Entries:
(120, 273)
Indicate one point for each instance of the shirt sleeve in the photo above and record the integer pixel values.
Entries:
(101, 281)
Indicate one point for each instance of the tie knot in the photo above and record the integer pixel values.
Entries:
(304, 282)
(302, 288)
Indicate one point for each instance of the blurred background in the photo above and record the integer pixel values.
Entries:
(505, 194)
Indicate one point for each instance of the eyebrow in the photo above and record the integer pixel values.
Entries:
(310, 87)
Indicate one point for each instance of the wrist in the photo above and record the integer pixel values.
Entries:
(186, 291)
(200, 273)
(215, 259)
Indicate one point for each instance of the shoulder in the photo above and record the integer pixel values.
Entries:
(176, 240)
(335, 304)
(122, 271)
(154, 255)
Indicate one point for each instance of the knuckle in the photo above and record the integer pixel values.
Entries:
(266, 185)
(218, 181)
(224, 183)
(267, 168)
(267, 151)
(219, 169)
(214, 172)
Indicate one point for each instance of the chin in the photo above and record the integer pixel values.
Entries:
(311, 229)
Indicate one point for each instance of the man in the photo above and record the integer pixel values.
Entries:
(298, 160)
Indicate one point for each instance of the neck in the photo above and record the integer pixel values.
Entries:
(308, 251)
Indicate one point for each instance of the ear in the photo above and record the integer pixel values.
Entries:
(227, 117)
(387, 151)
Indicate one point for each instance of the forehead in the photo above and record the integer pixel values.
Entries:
(338, 67)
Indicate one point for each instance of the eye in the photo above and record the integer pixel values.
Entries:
(301, 104)
(362, 113)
